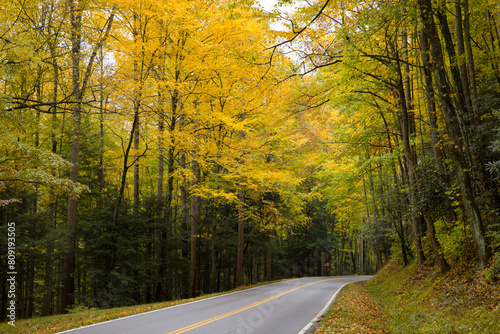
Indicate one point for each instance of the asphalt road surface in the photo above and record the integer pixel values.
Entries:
(287, 307)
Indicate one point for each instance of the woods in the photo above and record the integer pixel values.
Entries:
(153, 151)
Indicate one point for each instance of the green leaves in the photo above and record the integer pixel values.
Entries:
(25, 167)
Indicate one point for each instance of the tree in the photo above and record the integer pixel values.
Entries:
(365, 42)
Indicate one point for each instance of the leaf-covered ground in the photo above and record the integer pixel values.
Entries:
(418, 300)
(354, 311)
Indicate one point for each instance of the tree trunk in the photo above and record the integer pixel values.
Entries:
(453, 111)
(125, 169)
(431, 105)
(68, 283)
(409, 154)
(361, 253)
(47, 294)
(462, 63)
(398, 225)
(431, 111)
(102, 100)
(184, 194)
(138, 33)
(136, 165)
(458, 89)
(159, 185)
(47, 307)
(195, 218)
(69, 245)
(241, 226)
(255, 270)
(159, 206)
(78, 91)
(169, 221)
(436, 247)
(470, 59)
(407, 132)
(241, 231)
(269, 264)
(213, 257)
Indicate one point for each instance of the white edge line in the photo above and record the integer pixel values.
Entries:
(318, 316)
(161, 309)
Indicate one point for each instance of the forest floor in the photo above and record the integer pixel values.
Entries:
(417, 299)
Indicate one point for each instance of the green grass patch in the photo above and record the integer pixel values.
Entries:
(58, 323)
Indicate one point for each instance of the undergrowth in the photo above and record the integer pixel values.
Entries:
(418, 299)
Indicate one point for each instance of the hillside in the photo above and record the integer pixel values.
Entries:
(419, 299)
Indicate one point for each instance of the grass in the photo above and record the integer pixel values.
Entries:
(58, 323)
(418, 299)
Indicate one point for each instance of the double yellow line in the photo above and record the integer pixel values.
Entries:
(225, 315)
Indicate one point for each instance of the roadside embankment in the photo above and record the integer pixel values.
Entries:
(418, 299)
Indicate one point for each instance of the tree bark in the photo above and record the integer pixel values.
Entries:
(184, 193)
(409, 153)
(169, 221)
(138, 33)
(462, 63)
(159, 202)
(195, 218)
(213, 257)
(453, 111)
(125, 169)
(241, 225)
(47, 307)
(78, 92)
(407, 132)
(269, 263)
(433, 128)
(159, 185)
(241, 231)
(136, 165)
(102, 100)
(68, 283)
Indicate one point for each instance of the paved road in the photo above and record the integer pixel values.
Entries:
(280, 308)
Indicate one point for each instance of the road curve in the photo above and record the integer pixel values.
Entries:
(286, 307)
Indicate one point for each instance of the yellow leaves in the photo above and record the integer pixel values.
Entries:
(354, 311)
(205, 235)
(212, 193)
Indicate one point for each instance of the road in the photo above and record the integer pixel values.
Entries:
(286, 307)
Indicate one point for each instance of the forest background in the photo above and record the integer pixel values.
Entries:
(152, 151)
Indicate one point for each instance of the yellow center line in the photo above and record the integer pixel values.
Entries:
(244, 308)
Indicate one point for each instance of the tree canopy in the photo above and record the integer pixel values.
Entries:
(156, 150)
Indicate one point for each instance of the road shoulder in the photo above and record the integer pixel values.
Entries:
(354, 311)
